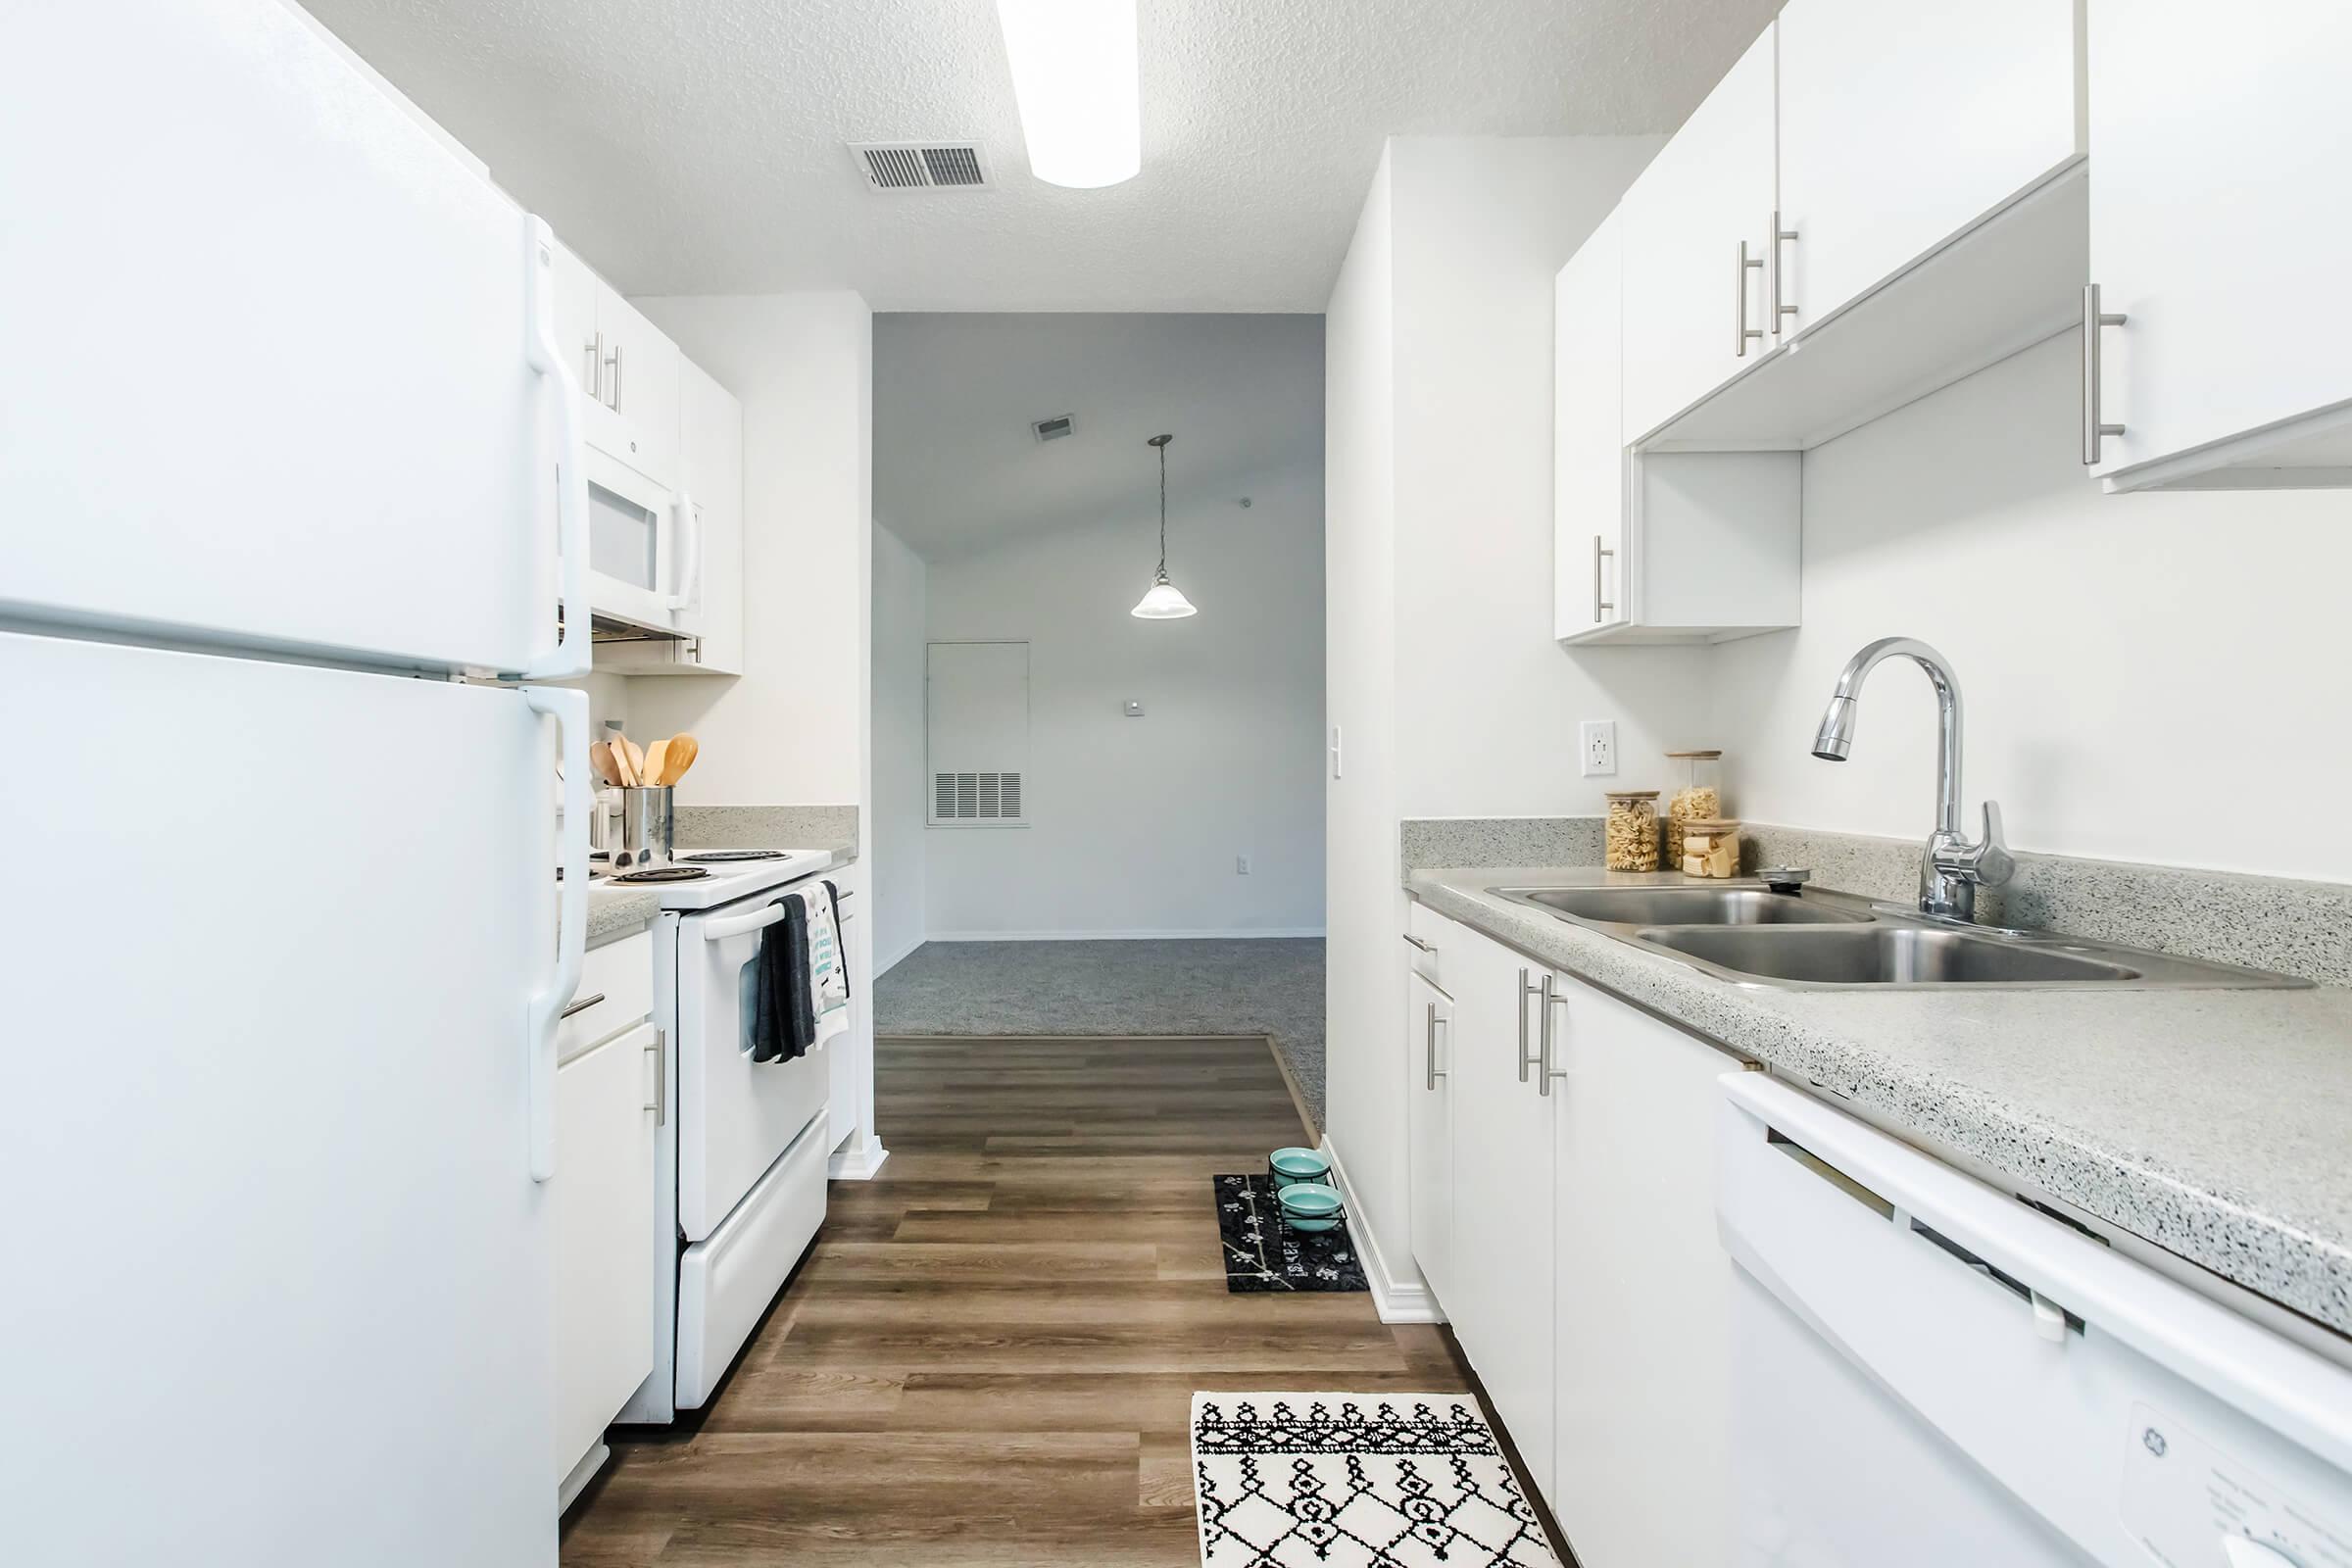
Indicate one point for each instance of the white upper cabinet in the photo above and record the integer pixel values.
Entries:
(636, 390)
(1588, 459)
(1653, 547)
(1903, 125)
(1696, 239)
(704, 560)
(2219, 140)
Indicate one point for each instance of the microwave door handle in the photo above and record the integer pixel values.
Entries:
(569, 709)
(736, 925)
(573, 655)
(690, 574)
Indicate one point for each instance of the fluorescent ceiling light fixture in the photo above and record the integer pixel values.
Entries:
(1075, 79)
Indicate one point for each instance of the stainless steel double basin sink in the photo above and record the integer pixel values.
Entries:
(1826, 941)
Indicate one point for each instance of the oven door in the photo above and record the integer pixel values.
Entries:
(735, 1115)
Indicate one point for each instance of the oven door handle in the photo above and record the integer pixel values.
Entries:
(735, 925)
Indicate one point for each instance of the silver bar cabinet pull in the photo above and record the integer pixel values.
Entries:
(1780, 237)
(1548, 1072)
(2093, 319)
(1743, 334)
(581, 1006)
(1526, 991)
(659, 1050)
(1429, 948)
(1599, 555)
(1430, 1081)
(596, 366)
(613, 395)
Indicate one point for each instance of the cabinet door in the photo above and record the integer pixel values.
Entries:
(2220, 143)
(1499, 1251)
(640, 390)
(1428, 1055)
(1588, 438)
(1902, 125)
(1642, 1311)
(576, 291)
(1709, 192)
(603, 1199)
(710, 470)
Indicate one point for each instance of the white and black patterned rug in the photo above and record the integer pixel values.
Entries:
(1263, 1252)
(1356, 1481)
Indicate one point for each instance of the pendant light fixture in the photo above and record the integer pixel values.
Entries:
(1163, 601)
(1077, 86)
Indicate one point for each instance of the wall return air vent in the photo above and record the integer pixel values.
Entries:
(902, 166)
(976, 798)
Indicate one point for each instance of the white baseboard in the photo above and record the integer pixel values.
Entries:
(1122, 936)
(886, 962)
(861, 1161)
(1398, 1296)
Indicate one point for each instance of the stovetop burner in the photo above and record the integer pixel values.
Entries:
(717, 856)
(662, 873)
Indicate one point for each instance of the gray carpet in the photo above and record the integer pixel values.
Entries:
(1273, 985)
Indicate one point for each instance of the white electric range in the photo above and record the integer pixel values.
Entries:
(740, 1162)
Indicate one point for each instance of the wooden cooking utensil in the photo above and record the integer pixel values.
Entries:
(600, 761)
(680, 757)
(632, 762)
(657, 757)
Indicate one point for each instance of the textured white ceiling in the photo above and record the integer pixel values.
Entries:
(955, 467)
(697, 146)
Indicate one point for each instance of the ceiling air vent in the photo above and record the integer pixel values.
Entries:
(1055, 428)
(920, 164)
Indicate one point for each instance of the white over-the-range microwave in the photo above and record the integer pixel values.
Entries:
(645, 552)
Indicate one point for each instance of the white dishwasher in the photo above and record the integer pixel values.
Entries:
(1933, 1374)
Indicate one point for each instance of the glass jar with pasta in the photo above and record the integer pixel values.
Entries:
(1700, 795)
(1631, 830)
(1710, 847)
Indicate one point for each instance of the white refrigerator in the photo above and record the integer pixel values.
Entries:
(289, 462)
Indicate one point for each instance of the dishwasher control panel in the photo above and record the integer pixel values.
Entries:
(2187, 1503)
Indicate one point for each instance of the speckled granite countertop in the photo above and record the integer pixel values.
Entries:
(615, 913)
(2215, 1124)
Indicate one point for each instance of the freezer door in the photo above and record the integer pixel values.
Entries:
(280, 1278)
(268, 372)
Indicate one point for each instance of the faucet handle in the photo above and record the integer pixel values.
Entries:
(1994, 864)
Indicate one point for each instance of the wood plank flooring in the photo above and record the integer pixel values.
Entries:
(988, 1356)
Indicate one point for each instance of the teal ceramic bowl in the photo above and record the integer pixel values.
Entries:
(1312, 1207)
(1288, 1165)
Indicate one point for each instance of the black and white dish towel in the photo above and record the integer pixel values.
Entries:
(1356, 1481)
(1263, 1252)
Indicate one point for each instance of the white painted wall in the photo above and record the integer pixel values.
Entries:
(793, 729)
(1136, 822)
(895, 845)
(1451, 694)
(1363, 982)
(2147, 678)
(1487, 704)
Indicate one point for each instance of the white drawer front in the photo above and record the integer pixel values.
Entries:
(726, 1281)
(616, 993)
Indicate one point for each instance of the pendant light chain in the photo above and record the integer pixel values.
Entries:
(1163, 511)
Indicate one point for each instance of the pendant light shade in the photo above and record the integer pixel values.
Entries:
(1163, 600)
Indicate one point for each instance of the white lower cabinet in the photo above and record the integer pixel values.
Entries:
(1640, 1304)
(1428, 1122)
(1563, 1180)
(608, 1105)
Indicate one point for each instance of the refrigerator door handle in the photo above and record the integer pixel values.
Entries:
(572, 656)
(569, 709)
(690, 575)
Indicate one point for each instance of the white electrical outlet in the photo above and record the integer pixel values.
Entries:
(1240, 866)
(1597, 747)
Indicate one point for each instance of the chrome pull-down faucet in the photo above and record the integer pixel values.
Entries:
(1952, 868)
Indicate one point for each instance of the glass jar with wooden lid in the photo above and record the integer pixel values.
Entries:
(1700, 795)
(1710, 847)
(1631, 830)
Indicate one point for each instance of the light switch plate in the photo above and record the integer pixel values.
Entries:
(1597, 747)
